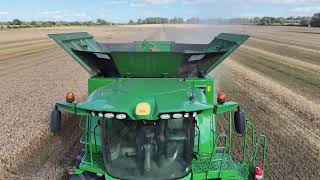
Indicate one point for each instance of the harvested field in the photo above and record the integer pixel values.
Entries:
(275, 76)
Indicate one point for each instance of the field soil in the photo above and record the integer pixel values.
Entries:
(275, 76)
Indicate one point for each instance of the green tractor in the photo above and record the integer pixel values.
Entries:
(151, 112)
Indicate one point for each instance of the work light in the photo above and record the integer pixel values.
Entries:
(109, 115)
(165, 116)
(121, 116)
(177, 115)
(194, 114)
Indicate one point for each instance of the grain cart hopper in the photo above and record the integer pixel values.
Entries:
(151, 112)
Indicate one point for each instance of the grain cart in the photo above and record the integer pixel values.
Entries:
(151, 112)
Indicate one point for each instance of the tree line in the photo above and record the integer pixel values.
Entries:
(16, 23)
(313, 21)
(158, 20)
(303, 21)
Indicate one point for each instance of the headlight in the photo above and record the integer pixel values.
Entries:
(194, 114)
(100, 114)
(186, 115)
(177, 115)
(109, 115)
(93, 113)
(121, 116)
(165, 116)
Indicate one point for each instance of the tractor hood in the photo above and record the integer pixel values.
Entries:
(151, 59)
(162, 95)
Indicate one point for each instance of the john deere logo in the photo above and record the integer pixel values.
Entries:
(143, 109)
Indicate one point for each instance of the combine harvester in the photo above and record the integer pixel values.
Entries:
(151, 112)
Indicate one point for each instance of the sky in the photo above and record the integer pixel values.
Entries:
(124, 10)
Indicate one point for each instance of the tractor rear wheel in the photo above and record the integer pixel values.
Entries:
(55, 120)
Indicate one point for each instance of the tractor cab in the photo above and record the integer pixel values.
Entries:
(150, 111)
(160, 149)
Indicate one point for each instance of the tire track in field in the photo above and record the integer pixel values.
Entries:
(303, 81)
(277, 110)
(19, 42)
(13, 61)
(7, 46)
(24, 64)
(23, 51)
(262, 42)
(295, 42)
(292, 101)
(286, 60)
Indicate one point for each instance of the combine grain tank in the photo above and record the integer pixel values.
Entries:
(151, 112)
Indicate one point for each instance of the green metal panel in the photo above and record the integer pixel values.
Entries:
(224, 41)
(205, 122)
(148, 64)
(155, 46)
(63, 105)
(79, 41)
(225, 107)
(71, 108)
(163, 95)
(148, 58)
(98, 82)
(206, 84)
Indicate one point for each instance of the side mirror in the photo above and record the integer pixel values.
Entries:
(240, 121)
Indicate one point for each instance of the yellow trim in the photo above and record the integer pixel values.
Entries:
(209, 89)
(143, 109)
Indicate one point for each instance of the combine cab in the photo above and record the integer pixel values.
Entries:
(151, 112)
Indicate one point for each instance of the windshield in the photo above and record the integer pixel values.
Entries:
(147, 150)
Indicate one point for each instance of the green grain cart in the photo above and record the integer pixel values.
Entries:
(151, 112)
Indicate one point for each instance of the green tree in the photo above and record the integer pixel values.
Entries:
(88, 23)
(102, 22)
(315, 21)
(176, 20)
(131, 22)
(16, 22)
(280, 20)
(257, 20)
(305, 21)
(33, 23)
(265, 21)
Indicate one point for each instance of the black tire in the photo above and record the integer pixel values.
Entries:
(79, 157)
(240, 121)
(85, 176)
(55, 120)
(78, 177)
